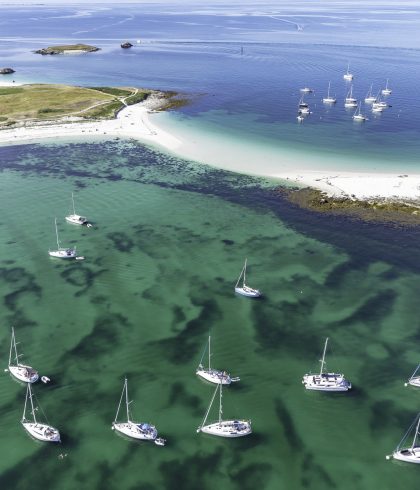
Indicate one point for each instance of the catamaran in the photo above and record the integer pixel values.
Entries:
(75, 218)
(245, 290)
(213, 375)
(143, 431)
(348, 76)
(328, 99)
(386, 90)
(410, 453)
(224, 428)
(22, 372)
(358, 116)
(62, 253)
(42, 432)
(350, 101)
(325, 381)
(370, 98)
(414, 380)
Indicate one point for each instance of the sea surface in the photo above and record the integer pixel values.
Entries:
(169, 240)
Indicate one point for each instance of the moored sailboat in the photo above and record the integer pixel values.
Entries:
(408, 453)
(329, 99)
(386, 90)
(348, 76)
(325, 381)
(40, 431)
(350, 101)
(245, 290)
(213, 375)
(224, 428)
(370, 98)
(62, 253)
(414, 380)
(76, 219)
(21, 372)
(358, 116)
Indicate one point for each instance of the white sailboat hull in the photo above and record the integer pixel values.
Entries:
(228, 428)
(329, 100)
(42, 432)
(68, 253)
(214, 376)
(327, 382)
(359, 117)
(24, 373)
(248, 292)
(348, 76)
(143, 432)
(370, 100)
(408, 455)
(75, 219)
(386, 91)
(414, 381)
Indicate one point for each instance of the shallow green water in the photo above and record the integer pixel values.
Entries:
(169, 240)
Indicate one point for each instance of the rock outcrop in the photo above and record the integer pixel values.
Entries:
(67, 48)
(6, 71)
(126, 45)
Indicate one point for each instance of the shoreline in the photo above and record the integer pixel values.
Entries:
(134, 122)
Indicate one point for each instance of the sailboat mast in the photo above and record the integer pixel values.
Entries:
(209, 353)
(119, 405)
(72, 200)
(211, 403)
(328, 95)
(220, 406)
(32, 403)
(323, 357)
(126, 399)
(416, 432)
(56, 233)
(245, 272)
(12, 341)
(26, 399)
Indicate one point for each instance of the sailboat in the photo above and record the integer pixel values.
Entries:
(410, 453)
(20, 371)
(303, 107)
(306, 90)
(370, 99)
(214, 375)
(143, 431)
(328, 99)
(386, 90)
(224, 428)
(414, 380)
(325, 381)
(358, 116)
(348, 76)
(42, 432)
(62, 253)
(75, 218)
(244, 289)
(350, 101)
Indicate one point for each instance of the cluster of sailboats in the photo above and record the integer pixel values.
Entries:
(376, 102)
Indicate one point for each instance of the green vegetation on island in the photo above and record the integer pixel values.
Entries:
(62, 49)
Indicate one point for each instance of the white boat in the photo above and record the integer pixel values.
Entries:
(328, 99)
(370, 98)
(21, 372)
(325, 381)
(358, 116)
(42, 432)
(410, 453)
(350, 101)
(245, 290)
(379, 104)
(224, 428)
(306, 90)
(62, 253)
(76, 219)
(348, 76)
(143, 431)
(414, 380)
(303, 107)
(386, 90)
(213, 375)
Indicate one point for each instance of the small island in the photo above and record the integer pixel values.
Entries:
(68, 49)
(6, 71)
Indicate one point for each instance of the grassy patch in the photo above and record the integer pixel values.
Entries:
(10, 90)
(136, 98)
(106, 111)
(118, 92)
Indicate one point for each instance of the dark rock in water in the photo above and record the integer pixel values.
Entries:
(126, 45)
(6, 71)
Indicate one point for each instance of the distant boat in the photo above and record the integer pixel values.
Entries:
(303, 107)
(245, 290)
(414, 380)
(358, 116)
(126, 45)
(379, 105)
(22, 372)
(325, 381)
(224, 428)
(386, 90)
(306, 90)
(75, 218)
(328, 99)
(143, 431)
(369, 99)
(42, 432)
(62, 253)
(409, 453)
(213, 375)
(348, 76)
(350, 101)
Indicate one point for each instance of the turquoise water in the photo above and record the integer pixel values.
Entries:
(169, 240)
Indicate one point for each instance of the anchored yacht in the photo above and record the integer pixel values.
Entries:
(213, 375)
(246, 290)
(408, 453)
(76, 219)
(20, 371)
(62, 253)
